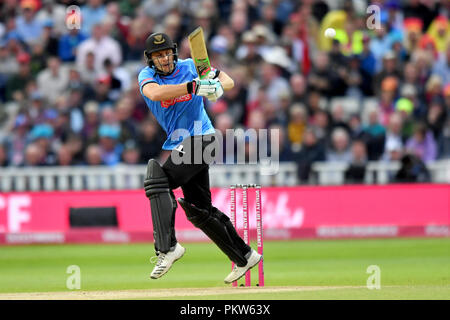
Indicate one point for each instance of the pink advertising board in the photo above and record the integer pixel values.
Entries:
(288, 212)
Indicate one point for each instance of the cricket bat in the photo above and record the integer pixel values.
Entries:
(199, 53)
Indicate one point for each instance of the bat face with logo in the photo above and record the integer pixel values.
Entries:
(199, 53)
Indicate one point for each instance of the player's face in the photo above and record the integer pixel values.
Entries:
(163, 60)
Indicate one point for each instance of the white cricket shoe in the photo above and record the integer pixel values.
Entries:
(165, 261)
(238, 272)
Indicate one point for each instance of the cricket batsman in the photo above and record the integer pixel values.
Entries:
(174, 93)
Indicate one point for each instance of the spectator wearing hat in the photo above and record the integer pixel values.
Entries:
(28, 27)
(109, 144)
(41, 135)
(387, 99)
(53, 80)
(17, 83)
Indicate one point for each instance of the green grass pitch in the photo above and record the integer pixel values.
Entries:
(308, 269)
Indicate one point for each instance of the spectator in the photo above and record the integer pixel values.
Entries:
(442, 67)
(87, 71)
(41, 135)
(320, 77)
(338, 118)
(93, 12)
(149, 141)
(422, 144)
(64, 157)
(34, 156)
(128, 127)
(297, 124)
(387, 98)
(91, 123)
(284, 149)
(394, 136)
(4, 162)
(435, 120)
(94, 155)
(103, 47)
(131, 154)
(108, 143)
(356, 127)
(339, 151)
(28, 27)
(54, 12)
(298, 86)
(412, 170)
(374, 136)
(53, 81)
(68, 44)
(16, 83)
(311, 152)
(356, 171)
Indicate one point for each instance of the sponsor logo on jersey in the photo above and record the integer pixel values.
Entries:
(171, 102)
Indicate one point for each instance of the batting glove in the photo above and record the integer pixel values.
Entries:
(201, 87)
(217, 93)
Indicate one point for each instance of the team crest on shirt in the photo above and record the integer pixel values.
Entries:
(171, 102)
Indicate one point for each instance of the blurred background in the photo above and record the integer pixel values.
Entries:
(370, 106)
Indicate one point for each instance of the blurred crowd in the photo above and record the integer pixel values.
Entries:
(378, 91)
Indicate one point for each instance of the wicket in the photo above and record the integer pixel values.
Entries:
(246, 225)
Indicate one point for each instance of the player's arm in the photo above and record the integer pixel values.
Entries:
(156, 92)
(225, 80)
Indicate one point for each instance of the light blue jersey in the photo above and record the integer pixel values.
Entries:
(180, 113)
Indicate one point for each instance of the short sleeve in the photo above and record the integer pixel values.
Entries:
(145, 76)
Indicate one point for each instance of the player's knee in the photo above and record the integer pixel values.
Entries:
(197, 216)
(156, 179)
